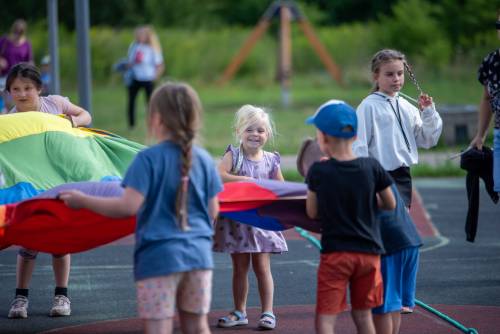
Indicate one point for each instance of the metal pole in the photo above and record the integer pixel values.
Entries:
(55, 85)
(83, 54)
(285, 54)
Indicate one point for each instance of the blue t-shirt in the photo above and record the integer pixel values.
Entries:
(161, 247)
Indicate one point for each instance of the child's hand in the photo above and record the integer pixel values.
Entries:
(424, 101)
(72, 198)
(71, 120)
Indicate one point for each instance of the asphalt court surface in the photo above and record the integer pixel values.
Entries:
(459, 278)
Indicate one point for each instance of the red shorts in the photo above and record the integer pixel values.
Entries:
(359, 271)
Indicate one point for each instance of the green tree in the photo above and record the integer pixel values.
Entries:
(413, 29)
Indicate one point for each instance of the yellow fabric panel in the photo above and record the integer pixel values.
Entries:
(22, 124)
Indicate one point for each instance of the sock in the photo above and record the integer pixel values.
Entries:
(61, 291)
(22, 292)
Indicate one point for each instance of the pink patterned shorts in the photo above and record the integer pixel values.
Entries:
(190, 291)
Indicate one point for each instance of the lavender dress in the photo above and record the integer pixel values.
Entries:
(234, 237)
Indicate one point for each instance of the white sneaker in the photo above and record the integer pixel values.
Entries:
(60, 306)
(19, 308)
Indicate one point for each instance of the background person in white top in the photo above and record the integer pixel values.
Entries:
(389, 127)
(145, 61)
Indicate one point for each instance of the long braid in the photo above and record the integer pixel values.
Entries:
(186, 145)
(184, 138)
(412, 77)
(179, 109)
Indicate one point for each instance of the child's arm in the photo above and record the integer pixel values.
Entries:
(213, 208)
(386, 200)
(279, 174)
(75, 114)
(364, 133)
(428, 125)
(312, 205)
(225, 167)
(116, 207)
(78, 115)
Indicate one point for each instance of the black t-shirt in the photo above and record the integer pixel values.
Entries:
(347, 203)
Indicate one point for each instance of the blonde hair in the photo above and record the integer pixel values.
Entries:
(151, 37)
(249, 115)
(179, 108)
(387, 55)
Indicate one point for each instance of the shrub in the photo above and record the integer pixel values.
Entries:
(413, 30)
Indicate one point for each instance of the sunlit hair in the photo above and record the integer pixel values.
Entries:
(249, 115)
(388, 55)
(151, 37)
(179, 108)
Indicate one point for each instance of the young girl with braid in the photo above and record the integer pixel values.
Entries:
(172, 187)
(390, 129)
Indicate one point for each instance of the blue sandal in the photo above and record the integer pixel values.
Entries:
(240, 319)
(267, 321)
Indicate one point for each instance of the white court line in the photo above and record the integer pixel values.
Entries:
(443, 241)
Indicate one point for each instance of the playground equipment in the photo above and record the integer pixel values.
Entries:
(287, 11)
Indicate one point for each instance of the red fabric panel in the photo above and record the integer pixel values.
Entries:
(5, 215)
(240, 196)
(59, 229)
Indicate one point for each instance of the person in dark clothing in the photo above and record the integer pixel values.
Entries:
(489, 77)
(479, 165)
(145, 61)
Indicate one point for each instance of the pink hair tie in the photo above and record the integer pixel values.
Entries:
(185, 182)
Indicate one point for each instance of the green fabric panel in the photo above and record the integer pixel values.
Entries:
(53, 158)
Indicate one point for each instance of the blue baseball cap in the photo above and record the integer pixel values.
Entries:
(333, 117)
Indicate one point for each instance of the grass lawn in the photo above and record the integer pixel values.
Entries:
(220, 104)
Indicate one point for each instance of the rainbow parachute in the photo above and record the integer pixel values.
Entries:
(41, 154)
(39, 151)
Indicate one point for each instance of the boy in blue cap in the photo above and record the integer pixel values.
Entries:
(344, 192)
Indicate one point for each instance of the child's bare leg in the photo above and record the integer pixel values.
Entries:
(163, 326)
(25, 267)
(363, 321)
(193, 323)
(325, 323)
(261, 264)
(396, 322)
(241, 264)
(61, 266)
(383, 323)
